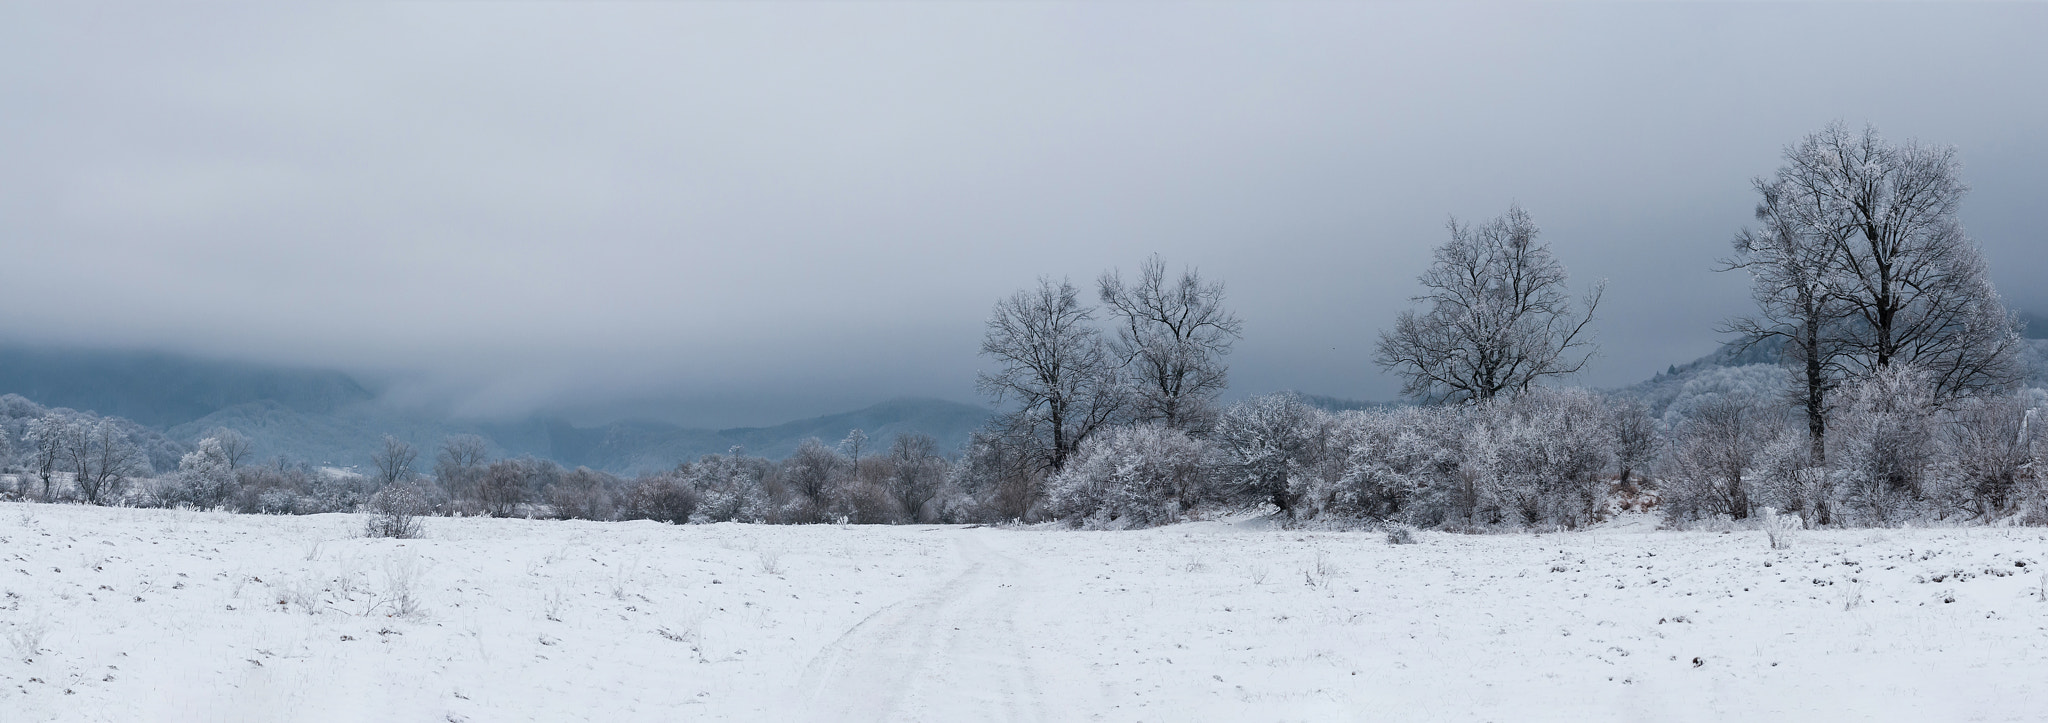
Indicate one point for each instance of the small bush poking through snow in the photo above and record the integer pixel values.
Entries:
(1778, 529)
(1399, 535)
(27, 637)
(401, 587)
(396, 512)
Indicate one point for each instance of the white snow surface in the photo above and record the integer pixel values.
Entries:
(165, 615)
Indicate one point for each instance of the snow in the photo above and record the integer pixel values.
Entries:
(166, 615)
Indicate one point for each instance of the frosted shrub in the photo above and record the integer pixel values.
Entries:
(1715, 451)
(1399, 464)
(1988, 470)
(501, 487)
(999, 477)
(809, 475)
(1134, 477)
(1883, 444)
(583, 494)
(1537, 460)
(661, 498)
(728, 486)
(1787, 479)
(1266, 447)
(1400, 535)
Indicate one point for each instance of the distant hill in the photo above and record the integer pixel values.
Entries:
(163, 390)
(327, 418)
(642, 446)
(347, 436)
(1730, 361)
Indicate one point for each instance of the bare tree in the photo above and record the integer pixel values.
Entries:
(394, 462)
(1635, 438)
(49, 442)
(1715, 450)
(809, 474)
(1171, 337)
(77, 436)
(1055, 366)
(461, 462)
(106, 460)
(502, 486)
(1912, 287)
(1499, 317)
(234, 446)
(918, 473)
(1990, 455)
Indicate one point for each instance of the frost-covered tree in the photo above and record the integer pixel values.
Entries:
(1788, 479)
(855, 442)
(501, 487)
(395, 511)
(1054, 367)
(1001, 474)
(1171, 336)
(1498, 317)
(665, 498)
(1911, 287)
(207, 473)
(583, 494)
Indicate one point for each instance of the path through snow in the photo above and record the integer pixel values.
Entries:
(952, 653)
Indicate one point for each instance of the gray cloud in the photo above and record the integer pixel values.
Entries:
(772, 210)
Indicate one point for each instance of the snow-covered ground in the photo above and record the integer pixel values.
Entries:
(140, 615)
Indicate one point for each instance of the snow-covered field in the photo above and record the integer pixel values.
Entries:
(139, 615)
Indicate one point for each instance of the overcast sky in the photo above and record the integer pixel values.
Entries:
(764, 211)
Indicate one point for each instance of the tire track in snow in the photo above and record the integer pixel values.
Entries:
(951, 653)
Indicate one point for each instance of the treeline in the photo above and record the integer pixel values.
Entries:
(1551, 459)
(1897, 396)
(908, 480)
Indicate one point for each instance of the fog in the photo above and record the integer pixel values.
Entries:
(752, 212)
